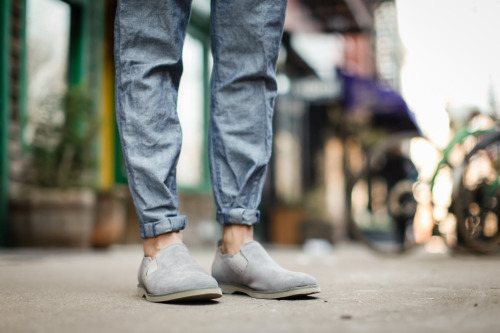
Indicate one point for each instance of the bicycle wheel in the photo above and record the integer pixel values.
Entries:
(380, 200)
(477, 197)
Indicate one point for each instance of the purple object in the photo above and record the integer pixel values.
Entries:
(387, 107)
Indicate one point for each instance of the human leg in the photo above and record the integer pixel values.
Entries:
(153, 245)
(149, 36)
(246, 38)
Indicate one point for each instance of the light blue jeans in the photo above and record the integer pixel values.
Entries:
(149, 36)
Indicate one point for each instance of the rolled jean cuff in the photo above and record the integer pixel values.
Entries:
(238, 216)
(169, 224)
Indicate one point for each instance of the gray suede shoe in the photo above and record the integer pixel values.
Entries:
(253, 272)
(174, 276)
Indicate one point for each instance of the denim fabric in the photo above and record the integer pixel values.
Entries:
(149, 37)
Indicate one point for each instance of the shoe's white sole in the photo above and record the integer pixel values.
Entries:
(228, 288)
(188, 295)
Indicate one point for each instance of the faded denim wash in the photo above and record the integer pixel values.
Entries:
(149, 36)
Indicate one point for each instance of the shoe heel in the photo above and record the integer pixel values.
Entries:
(141, 292)
(228, 289)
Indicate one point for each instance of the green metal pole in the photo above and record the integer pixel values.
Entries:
(5, 35)
(77, 45)
(23, 88)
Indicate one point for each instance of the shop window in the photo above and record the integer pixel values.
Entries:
(48, 31)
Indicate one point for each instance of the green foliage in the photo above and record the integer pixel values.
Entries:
(61, 152)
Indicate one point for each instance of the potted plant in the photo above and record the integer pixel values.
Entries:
(55, 205)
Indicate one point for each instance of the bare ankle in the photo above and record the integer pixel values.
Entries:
(153, 245)
(234, 236)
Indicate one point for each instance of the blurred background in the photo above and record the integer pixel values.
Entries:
(380, 109)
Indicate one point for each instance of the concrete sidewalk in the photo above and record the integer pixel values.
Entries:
(57, 291)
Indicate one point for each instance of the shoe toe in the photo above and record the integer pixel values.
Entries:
(307, 280)
(296, 280)
(180, 282)
(199, 280)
